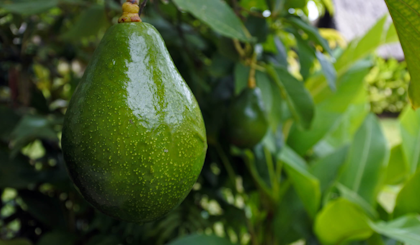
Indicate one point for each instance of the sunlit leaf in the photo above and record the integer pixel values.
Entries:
(397, 169)
(408, 200)
(405, 229)
(406, 16)
(341, 221)
(367, 161)
(410, 134)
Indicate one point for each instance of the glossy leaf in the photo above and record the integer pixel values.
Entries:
(281, 52)
(217, 14)
(293, 91)
(366, 165)
(410, 134)
(397, 169)
(327, 168)
(306, 56)
(305, 184)
(328, 69)
(408, 200)
(202, 240)
(405, 229)
(341, 221)
(90, 21)
(405, 14)
(330, 110)
(311, 31)
(28, 7)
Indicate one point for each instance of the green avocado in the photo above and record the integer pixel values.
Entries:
(247, 119)
(134, 139)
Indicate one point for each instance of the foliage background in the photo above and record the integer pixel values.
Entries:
(45, 46)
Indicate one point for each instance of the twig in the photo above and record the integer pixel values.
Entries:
(143, 4)
(228, 166)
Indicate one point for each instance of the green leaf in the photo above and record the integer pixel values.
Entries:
(202, 240)
(410, 134)
(57, 237)
(331, 109)
(350, 121)
(278, 6)
(296, 4)
(46, 209)
(259, 4)
(258, 28)
(294, 92)
(397, 170)
(405, 229)
(408, 200)
(89, 23)
(392, 35)
(291, 221)
(356, 199)
(9, 120)
(264, 83)
(16, 172)
(328, 69)
(305, 184)
(16, 242)
(28, 7)
(329, 5)
(311, 31)
(366, 165)
(241, 74)
(326, 169)
(306, 57)
(363, 46)
(341, 221)
(406, 16)
(217, 14)
(31, 128)
(281, 52)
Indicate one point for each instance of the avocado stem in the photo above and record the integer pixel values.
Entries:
(251, 80)
(130, 12)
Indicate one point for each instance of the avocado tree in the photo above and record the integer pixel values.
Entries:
(294, 153)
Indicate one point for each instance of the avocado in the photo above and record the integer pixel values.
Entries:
(134, 139)
(247, 119)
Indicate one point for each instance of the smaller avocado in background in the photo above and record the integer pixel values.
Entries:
(247, 119)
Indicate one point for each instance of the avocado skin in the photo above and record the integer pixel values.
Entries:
(134, 139)
(247, 119)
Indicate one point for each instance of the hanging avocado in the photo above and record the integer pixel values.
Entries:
(134, 139)
(247, 119)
